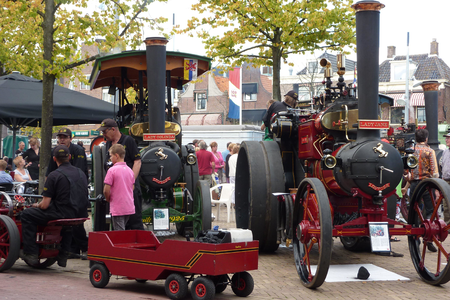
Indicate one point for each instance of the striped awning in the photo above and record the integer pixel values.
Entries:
(416, 99)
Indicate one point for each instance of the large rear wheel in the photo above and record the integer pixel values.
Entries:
(43, 263)
(432, 266)
(202, 207)
(313, 232)
(9, 243)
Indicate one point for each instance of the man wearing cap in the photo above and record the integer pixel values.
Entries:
(113, 136)
(77, 153)
(445, 165)
(60, 189)
(77, 159)
(289, 102)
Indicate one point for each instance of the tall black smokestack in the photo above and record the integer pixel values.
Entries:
(156, 82)
(367, 53)
(430, 91)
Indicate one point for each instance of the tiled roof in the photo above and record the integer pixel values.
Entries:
(266, 82)
(222, 83)
(428, 67)
(349, 64)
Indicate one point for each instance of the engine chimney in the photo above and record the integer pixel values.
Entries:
(430, 91)
(368, 48)
(156, 82)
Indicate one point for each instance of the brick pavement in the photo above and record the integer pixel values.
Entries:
(276, 278)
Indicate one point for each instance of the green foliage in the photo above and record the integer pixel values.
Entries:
(21, 34)
(265, 32)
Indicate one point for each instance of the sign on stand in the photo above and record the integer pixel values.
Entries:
(379, 237)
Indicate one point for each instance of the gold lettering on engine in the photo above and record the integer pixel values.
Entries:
(379, 149)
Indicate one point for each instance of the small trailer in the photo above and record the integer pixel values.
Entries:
(138, 255)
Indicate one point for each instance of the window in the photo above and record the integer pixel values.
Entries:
(312, 67)
(200, 99)
(106, 96)
(304, 94)
(249, 91)
(266, 71)
(86, 86)
(71, 86)
(397, 113)
(400, 72)
(421, 117)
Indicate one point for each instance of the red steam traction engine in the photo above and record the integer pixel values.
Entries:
(342, 173)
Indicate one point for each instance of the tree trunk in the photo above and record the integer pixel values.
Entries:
(48, 84)
(276, 57)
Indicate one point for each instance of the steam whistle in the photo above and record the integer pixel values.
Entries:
(325, 63)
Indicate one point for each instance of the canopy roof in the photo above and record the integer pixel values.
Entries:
(122, 70)
(21, 104)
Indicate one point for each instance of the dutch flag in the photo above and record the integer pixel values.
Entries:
(235, 93)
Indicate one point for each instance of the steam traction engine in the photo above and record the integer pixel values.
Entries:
(169, 172)
(336, 175)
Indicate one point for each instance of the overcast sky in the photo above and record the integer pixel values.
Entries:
(424, 20)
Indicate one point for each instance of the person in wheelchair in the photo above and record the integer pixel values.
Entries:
(62, 199)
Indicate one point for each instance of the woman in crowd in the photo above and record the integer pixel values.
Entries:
(227, 166)
(218, 161)
(32, 158)
(21, 174)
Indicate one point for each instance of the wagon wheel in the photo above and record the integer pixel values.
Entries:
(202, 207)
(242, 284)
(43, 263)
(9, 243)
(220, 282)
(251, 191)
(99, 275)
(429, 265)
(7, 203)
(313, 225)
(176, 286)
(275, 183)
(203, 289)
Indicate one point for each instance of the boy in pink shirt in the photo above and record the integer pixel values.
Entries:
(118, 190)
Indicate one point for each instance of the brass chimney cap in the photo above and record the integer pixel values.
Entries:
(367, 6)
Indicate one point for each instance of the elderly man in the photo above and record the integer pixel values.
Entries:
(113, 136)
(60, 189)
(21, 148)
(77, 159)
(206, 162)
(289, 101)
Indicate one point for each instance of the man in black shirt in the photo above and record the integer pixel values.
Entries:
(113, 136)
(77, 159)
(290, 100)
(57, 203)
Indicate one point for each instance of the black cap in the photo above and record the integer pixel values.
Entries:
(292, 94)
(65, 131)
(61, 151)
(107, 123)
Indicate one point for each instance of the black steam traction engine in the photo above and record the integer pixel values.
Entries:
(169, 172)
(340, 175)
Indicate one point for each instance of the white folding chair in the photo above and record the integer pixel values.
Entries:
(225, 197)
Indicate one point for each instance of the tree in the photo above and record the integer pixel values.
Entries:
(42, 39)
(265, 32)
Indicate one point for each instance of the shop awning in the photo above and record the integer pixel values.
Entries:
(416, 99)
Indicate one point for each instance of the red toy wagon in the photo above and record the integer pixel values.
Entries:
(138, 254)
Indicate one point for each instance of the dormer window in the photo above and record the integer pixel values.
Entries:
(313, 67)
(398, 70)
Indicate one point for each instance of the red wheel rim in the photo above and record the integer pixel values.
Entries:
(200, 290)
(241, 284)
(97, 275)
(174, 287)
(4, 243)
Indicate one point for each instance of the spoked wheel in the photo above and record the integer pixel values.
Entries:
(202, 207)
(176, 286)
(242, 284)
(285, 212)
(433, 267)
(203, 289)
(99, 275)
(43, 263)
(313, 226)
(9, 243)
